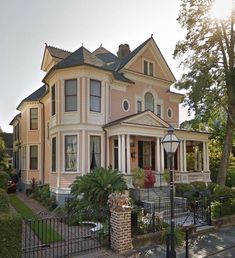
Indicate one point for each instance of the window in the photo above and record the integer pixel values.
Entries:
(149, 101)
(33, 157)
(125, 105)
(115, 153)
(16, 132)
(139, 106)
(95, 96)
(159, 110)
(70, 95)
(53, 154)
(53, 100)
(169, 113)
(95, 152)
(70, 153)
(148, 68)
(33, 118)
(23, 158)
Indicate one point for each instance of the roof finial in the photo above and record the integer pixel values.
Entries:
(101, 45)
(82, 44)
(152, 35)
(45, 44)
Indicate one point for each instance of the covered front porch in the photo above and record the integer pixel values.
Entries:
(135, 142)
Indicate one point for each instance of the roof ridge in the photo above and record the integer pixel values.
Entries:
(48, 46)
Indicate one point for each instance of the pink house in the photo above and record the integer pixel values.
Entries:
(99, 109)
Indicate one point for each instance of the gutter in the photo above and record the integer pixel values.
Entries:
(43, 141)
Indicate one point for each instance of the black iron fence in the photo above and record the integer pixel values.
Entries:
(64, 236)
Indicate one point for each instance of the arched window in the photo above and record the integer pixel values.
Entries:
(149, 101)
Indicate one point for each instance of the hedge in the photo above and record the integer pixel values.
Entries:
(10, 235)
(4, 178)
(4, 201)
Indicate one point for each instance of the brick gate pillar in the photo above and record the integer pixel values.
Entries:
(120, 222)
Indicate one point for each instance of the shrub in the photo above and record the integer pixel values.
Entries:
(179, 236)
(223, 208)
(10, 235)
(182, 188)
(211, 187)
(4, 202)
(4, 178)
(138, 177)
(222, 190)
(200, 186)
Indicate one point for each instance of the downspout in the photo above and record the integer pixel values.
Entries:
(105, 148)
(43, 141)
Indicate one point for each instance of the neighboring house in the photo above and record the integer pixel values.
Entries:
(99, 109)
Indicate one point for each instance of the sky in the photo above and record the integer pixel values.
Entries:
(26, 25)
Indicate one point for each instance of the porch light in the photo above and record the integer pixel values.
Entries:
(170, 142)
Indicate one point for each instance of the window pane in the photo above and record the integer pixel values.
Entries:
(53, 100)
(33, 157)
(139, 106)
(33, 118)
(158, 110)
(95, 88)
(95, 104)
(151, 69)
(71, 103)
(149, 101)
(71, 87)
(71, 153)
(95, 151)
(146, 67)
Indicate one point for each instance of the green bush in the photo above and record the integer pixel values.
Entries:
(222, 190)
(222, 208)
(4, 178)
(181, 188)
(179, 236)
(4, 202)
(10, 235)
(198, 185)
(211, 187)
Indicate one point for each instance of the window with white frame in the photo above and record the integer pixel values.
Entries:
(23, 158)
(70, 152)
(33, 118)
(33, 154)
(95, 151)
(159, 110)
(95, 96)
(148, 68)
(139, 106)
(149, 101)
(53, 154)
(70, 93)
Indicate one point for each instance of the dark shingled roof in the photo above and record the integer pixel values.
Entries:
(79, 57)
(104, 55)
(35, 96)
(57, 52)
(16, 117)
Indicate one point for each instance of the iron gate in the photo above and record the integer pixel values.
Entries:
(64, 236)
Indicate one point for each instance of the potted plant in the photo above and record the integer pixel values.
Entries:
(138, 177)
(149, 179)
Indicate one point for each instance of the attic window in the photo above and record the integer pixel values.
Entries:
(125, 105)
(148, 68)
(169, 112)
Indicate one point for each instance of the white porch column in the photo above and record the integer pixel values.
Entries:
(181, 167)
(157, 155)
(207, 160)
(119, 153)
(162, 158)
(128, 156)
(107, 152)
(204, 157)
(184, 156)
(195, 159)
(123, 153)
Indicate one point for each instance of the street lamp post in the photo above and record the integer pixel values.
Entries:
(170, 143)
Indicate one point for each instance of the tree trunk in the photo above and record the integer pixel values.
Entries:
(227, 148)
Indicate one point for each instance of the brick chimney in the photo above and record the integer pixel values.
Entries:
(123, 50)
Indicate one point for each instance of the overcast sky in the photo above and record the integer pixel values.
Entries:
(25, 25)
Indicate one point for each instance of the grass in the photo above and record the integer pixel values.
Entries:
(45, 233)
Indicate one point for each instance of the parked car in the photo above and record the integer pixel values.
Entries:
(11, 187)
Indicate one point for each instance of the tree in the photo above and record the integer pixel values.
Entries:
(207, 55)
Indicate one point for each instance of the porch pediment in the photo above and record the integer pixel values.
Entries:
(146, 118)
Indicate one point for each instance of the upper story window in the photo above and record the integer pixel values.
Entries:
(16, 132)
(169, 112)
(95, 96)
(70, 92)
(70, 152)
(149, 101)
(125, 105)
(33, 164)
(53, 100)
(139, 106)
(33, 118)
(159, 110)
(148, 68)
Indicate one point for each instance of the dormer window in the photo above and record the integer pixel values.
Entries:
(149, 101)
(148, 68)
